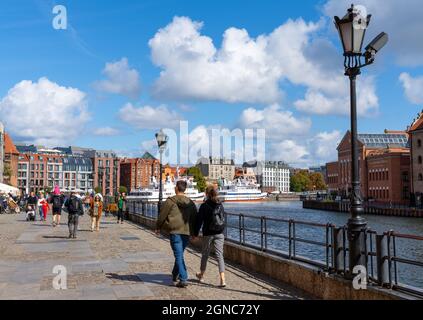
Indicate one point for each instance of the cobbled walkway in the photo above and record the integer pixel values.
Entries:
(119, 262)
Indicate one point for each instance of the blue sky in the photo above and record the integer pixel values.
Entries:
(113, 78)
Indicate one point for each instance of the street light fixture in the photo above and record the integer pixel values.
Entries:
(352, 29)
(162, 140)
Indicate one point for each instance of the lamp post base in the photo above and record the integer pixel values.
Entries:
(357, 244)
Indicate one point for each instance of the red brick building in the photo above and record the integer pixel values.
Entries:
(106, 173)
(136, 173)
(11, 159)
(388, 152)
(331, 177)
(388, 176)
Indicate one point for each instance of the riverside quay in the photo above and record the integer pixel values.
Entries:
(210, 158)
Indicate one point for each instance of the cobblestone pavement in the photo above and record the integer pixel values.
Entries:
(122, 261)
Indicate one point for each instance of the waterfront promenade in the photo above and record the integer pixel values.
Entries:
(121, 262)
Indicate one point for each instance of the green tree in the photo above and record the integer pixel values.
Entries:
(300, 182)
(198, 177)
(7, 171)
(98, 190)
(123, 189)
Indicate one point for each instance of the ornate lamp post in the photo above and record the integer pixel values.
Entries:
(352, 29)
(161, 139)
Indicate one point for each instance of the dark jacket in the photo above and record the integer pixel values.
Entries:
(204, 218)
(74, 206)
(51, 200)
(177, 216)
(32, 200)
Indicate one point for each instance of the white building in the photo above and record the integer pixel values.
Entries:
(77, 173)
(271, 174)
(214, 169)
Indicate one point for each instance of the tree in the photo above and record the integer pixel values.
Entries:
(198, 177)
(300, 182)
(98, 190)
(123, 189)
(7, 171)
(317, 181)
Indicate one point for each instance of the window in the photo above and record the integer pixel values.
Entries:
(420, 177)
(419, 160)
(419, 143)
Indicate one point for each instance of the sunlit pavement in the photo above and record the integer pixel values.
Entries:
(119, 262)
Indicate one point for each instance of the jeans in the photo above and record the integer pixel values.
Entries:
(120, 215)
(179, 242)
(73, 221)
(40, 211)
(218, 241)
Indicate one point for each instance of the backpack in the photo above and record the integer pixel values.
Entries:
(57, 202)
(74, 206)
(217, 223)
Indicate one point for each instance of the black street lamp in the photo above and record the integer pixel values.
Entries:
(161, 139)
(352, 29)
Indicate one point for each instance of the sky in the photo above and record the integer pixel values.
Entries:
(121, 70)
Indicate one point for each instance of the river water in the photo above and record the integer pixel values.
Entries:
(409, 249)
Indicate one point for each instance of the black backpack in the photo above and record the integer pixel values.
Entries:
(74, 206)
(57, 202)
(217, 223)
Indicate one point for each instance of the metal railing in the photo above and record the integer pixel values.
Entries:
(326, 249)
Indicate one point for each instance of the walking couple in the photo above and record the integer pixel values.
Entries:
(179, 217)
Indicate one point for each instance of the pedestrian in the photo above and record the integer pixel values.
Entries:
(177, 217)
(96, 210)
(56, 201)
(75, 209)
(211, 220)
(33, 202)
(41, 205)
(121, 207)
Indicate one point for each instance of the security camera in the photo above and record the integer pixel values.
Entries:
(375, 46)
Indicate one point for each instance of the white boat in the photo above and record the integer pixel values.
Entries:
(240, 190)
(151, 194)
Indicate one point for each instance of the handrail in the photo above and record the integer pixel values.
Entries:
(334, 247)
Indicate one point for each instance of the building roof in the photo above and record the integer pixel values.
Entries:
(26, 148)
(384, 140)
(9, 146)
(148, 156)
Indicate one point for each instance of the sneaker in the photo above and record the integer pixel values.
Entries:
(222, 285)
(182, 284)
(70, 236)
(199, 277)
(175, 280)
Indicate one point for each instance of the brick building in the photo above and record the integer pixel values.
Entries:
(136, 173)
(11, 159)
(331, 176)
(367, 144)
(214, 169)
(1, 151)
(388, 176)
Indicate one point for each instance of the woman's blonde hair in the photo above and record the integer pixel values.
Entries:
(211, 193)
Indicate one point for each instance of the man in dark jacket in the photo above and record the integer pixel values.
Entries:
(177, 217)
(56, 200)
(32, 201)
(75, 209)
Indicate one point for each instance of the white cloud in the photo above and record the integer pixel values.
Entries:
(44, 112)
(323, 146)
(278, 123)
(317, 102)
(121, 79)
(251, 70)
(289, 151)
(106, 131)
(413, 87)
(401, 20)
(148, 117)
(193, 68)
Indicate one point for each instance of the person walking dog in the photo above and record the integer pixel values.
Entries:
(211, 219)
(177, 217)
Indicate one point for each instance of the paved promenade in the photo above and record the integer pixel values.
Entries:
(120, 262)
